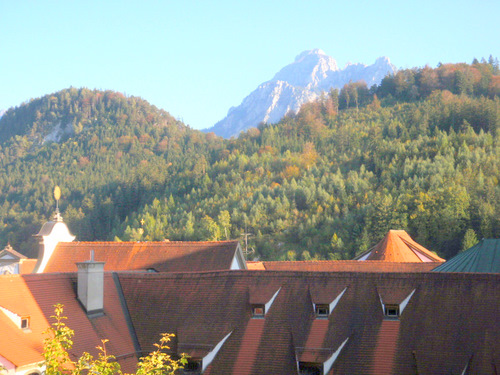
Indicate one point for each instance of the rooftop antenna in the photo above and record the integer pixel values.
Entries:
(57, 196)
(246, 234)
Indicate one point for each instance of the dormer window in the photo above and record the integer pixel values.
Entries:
(391, 311)
(322, 310)
(258, 311)
(307, 368)
(261, 302)
(193, 367)
(25, 322)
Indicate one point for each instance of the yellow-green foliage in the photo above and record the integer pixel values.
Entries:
(58, 344)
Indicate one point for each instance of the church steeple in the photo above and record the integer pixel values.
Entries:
(51, 233)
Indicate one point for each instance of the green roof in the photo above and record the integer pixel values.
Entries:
(483, 257)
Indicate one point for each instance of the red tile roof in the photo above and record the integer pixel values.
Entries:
(16, 297)
(449, 317)
(394, 294)
(324, 292)
(35, 296)
(343, 266)
(397, 246)
(247, 353)
(255, 265)
(27, 265)
(313, 349)
(386, 348)
(158, 256)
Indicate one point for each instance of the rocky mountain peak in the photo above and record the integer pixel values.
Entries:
(302, 81)
(309, 68)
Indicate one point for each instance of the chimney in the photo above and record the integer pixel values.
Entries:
(91, 285)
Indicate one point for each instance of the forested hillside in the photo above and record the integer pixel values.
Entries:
(419, 152)
(114, 154)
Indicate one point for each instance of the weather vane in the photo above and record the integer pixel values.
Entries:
(57, 196)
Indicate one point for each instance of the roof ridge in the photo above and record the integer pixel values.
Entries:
(336, 261)
(313, 274)
(466, 261)
(422, 249)
(10, 249)
(148, 242)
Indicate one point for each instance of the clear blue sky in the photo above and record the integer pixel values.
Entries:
(196, 59)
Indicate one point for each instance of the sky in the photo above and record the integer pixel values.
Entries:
(196, 59)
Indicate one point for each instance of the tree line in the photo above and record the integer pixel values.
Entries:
(418, 152)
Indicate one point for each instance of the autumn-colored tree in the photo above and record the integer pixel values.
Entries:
(59, 342)
(422, 138)
(309, 155)
(428, 80)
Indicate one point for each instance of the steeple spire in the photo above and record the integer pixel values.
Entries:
(57, 196)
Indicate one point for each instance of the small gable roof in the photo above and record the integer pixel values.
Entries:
(15, 299)
(482, 257)
(35, 295)
(166, 256)
(397, 246)
(8, 250)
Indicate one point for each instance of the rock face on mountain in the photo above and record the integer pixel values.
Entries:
(311, 73)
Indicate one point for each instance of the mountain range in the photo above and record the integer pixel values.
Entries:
(312, 73)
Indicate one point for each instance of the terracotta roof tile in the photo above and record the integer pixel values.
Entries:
(35, 295)
(394, 294)
(157, 256)
(324, 292)
(247, 353)
(397, 246)
(262, 292)
(27, 265)
(386, 348)
(346, 266)
(252, 265)
(15, 296)
(449, 317)
(313, 350)
(450, 321)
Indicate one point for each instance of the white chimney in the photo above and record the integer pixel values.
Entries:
(91, 285)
